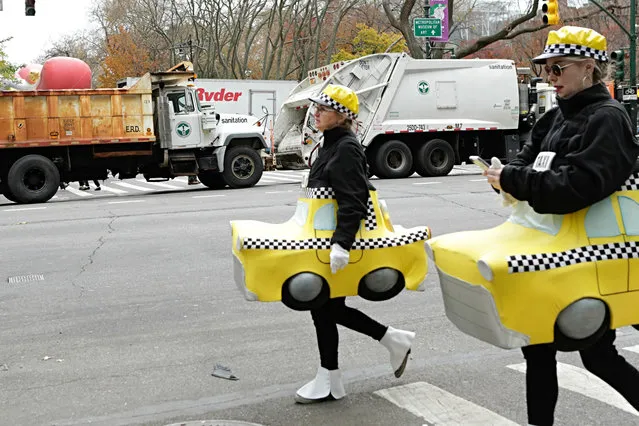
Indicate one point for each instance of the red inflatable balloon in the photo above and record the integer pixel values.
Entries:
(64, 73)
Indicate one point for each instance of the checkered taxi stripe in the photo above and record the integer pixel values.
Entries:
(632, 184)
(593, 253)
(325, 243)
(370, 222)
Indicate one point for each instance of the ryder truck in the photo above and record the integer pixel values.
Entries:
(418, 115)
(157, 127)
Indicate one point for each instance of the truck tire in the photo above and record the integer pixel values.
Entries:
(243, 167)
(33, 179)
(393, 160)
(435, 158)
(213, 180)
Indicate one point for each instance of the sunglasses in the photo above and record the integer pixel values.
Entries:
(320, 109)
(556, 69)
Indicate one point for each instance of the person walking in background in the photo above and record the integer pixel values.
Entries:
(84, 185)
(341, 165)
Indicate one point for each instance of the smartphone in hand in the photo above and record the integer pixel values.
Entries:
(482, 164)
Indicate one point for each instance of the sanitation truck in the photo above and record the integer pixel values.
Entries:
(156, 127)
(418, 115)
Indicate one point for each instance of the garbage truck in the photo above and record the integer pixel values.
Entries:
(156, 127)
(419, 115)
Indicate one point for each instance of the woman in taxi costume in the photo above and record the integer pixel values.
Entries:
(579, 153)
(341, 165)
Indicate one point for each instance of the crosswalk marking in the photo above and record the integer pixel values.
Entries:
(160, 184)
(114, 190)
(284, 178)
(131, 186)
(581, 381)
(77, 192)
(439, 407)
(634, 349)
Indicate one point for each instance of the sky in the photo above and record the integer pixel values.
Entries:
(32, 35)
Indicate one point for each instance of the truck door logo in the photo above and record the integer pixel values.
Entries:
(423, 87)
(183, 129)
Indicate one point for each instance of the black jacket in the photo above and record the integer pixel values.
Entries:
(595, 148)
(341, 165)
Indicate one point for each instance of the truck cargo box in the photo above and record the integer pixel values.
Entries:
(77, 117)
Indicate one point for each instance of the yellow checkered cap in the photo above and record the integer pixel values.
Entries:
(341, 98)
(574, 41)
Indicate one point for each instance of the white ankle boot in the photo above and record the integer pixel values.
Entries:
(325, 386)
(398, 343)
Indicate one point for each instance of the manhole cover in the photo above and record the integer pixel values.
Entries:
(215, 423)
(18, 279)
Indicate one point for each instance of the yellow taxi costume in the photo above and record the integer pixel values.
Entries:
(564, 268)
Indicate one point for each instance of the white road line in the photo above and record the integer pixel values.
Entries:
(284, 179)
(160, 184)
(24, 209)
(634, 349)
(439, 407)
(130, 186)
(277, 192)
(77, 191)
(425, 183)
(581, 381)
(114, 190)
(263, 180)
(209, 196)
(125, 202)
(478, 180)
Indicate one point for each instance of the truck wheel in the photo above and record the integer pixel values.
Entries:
(213, 180)
(435, 158)
(33, 179)
(243, 167)
(393, 160)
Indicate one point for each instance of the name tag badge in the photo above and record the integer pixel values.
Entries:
(543, 161)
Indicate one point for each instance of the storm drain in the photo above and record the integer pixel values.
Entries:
(21, 279)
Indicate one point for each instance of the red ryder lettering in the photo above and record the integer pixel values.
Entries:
(220, 96)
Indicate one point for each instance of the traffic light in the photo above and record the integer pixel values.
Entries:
(618, 56)
(550, 8)
(29, 7)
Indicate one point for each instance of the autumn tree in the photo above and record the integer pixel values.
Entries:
(7, 70)
(124, 58)
(369, 41)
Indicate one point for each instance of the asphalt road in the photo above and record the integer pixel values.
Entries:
(115, 310)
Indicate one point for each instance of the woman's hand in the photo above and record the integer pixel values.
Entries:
(493, 176)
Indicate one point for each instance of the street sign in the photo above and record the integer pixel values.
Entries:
(629, 94)
(427, 27)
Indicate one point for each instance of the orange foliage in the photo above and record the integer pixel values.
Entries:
(124, 58)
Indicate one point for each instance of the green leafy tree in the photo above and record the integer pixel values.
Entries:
(369, 41)
(7, 70)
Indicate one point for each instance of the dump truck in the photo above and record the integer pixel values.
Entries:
(156, 127)
(418, 115)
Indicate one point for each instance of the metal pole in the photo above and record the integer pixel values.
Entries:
(426, 15)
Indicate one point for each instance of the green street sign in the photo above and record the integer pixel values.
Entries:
(427, 27)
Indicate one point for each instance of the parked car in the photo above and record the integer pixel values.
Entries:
(290, 261)
(541, 278)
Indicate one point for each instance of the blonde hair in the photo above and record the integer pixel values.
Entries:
(599, 71)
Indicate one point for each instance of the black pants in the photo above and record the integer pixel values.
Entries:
(336, 312)
(601, 359)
